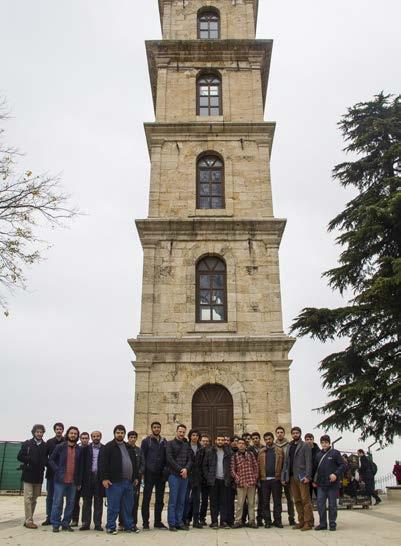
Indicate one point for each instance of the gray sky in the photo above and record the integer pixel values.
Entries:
(75, 76)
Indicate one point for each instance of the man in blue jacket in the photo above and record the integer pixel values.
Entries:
(330, 468)
(66, 463)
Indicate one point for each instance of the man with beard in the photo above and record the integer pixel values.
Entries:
(282, 442)
(58, 438)
(33, 455)
(244, 471)
(270, 460)
(192, 500)
(255, 448)
(132, 439)
(84, 442)
(153, 449)
(119, 473)
(310, 440)
(205, 444)
(92, 488)
(298, 472)
(217, 472)
(67, 464)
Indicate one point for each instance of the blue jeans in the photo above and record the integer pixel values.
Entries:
(178, 490)
(120, 496)
(49, 498)
(62, 490)
(324, 493)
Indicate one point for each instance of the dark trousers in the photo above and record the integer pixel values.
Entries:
(230, 505)
(271, 488)
(49, 497)
(324, 494)
(153, 481)
(75, 514)
(204, 502)
(94, 493)
(219, 494)
(290, 503)
(120, 496)
(192, 503)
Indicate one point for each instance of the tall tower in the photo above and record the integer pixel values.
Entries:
(211, 352)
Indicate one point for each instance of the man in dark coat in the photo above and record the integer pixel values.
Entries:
(310, 440)
(205, 444)
(192, 500)
(367, 475)
(119, 473)
(217, 473)
(329, 470)
(92, 488)
(33, 456)
(298, 473)
(67, 464)
(179, 464)
(51, 444)
(153, 449)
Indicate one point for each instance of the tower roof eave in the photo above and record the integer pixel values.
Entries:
(173, 52)
(162, 2)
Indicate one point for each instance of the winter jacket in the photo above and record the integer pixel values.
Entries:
(34, 459)
(244, 469)
(51, 445)
(331, 464)
(302, 466)
(110, 465)
(210, 465)
(178, 456)
(262, 463)
(195, 476)
(58, 463)
(153, 455)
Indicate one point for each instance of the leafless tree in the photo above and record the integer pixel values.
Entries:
(27, 201)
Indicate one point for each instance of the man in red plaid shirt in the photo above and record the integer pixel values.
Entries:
(244, 470)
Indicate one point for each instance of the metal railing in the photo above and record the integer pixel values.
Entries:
(384, 481)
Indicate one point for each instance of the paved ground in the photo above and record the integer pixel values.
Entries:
(378, 526)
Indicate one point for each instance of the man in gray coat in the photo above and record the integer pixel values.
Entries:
(298, 473)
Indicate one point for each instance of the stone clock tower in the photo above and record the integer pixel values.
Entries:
(211, 352)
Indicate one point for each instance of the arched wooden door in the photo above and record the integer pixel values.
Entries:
(213, 411)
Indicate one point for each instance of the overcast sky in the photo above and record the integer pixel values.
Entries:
(76, 79)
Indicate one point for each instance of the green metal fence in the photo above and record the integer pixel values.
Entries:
(10, 475)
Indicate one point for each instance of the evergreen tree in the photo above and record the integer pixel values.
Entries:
(364, 380)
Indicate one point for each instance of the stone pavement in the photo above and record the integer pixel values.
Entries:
(378, 526)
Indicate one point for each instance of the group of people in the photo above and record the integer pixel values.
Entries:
(225, 473)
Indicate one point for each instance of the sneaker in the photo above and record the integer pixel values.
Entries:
(214, 525)
(98, 528)
(84, 528)
(278, 524)
(159, 526)
(68, 528)
(333, 528)
(268, 525)
(172, 528)
(182, 527)
(135, 529)
(46, 522)
(112, 532)
(55, 529)
(291, 522)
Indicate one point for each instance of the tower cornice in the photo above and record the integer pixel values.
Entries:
(170, 53)
(153, 230)
(157, 133)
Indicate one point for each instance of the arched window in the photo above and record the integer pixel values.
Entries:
(209, 182)
(209, 24)
(211, 291)
(209, 95)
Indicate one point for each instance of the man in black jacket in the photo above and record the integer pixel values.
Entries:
(179, 464)
(153, 449)
(329, 470)
(58, 438)
(192, 500)
(367, 475)
(216, 469)
(92, 488)
(118, 472)
(205, 444)
(33, 455)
